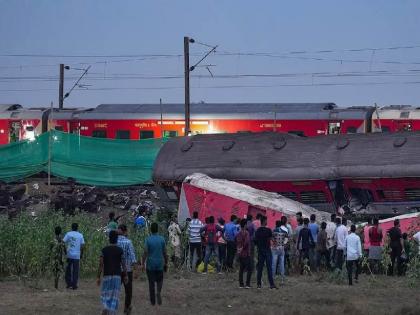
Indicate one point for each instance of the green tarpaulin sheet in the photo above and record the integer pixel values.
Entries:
(92, 161)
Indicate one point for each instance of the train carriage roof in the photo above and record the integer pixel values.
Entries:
(225, 111)
(275, 156)
(9, 107)
(398, 112)
(18, 112)
(68, 113)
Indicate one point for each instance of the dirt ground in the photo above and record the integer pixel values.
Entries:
(190, 293)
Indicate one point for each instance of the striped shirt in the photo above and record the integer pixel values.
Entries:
(194, 231)
(128, 252)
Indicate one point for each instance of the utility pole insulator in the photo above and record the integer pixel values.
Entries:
(61, 88)
(187, 84)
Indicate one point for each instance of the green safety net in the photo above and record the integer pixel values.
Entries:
(22, 159)
(92, 161)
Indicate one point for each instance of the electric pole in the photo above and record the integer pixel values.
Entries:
(61, 87)
(187, 70)
(187, 83)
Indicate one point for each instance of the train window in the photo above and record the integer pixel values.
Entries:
(351, 130)
(146, 134)
(311, 197)
(390, 195)
(361, 196)
(412, 194)
(59, 128)
(299, 133)
(289, 194)
(170, 133)
(122, 134)
(99, 133)
(404, 114)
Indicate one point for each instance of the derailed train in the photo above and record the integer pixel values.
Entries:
(142, 121)
(373, 173)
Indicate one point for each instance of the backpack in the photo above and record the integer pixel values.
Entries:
(211, 233)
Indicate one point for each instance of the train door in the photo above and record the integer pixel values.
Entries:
(74, 127)
(334, 127)
(4, 132)
(339, 194)
(15, 130)
(29, 133)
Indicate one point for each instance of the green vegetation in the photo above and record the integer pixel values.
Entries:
(25, 242)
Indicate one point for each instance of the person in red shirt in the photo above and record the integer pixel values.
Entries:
(243, 246)
(209, 233)
(375, 246)
(366, 238)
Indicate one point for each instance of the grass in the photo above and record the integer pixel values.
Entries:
(25, 242)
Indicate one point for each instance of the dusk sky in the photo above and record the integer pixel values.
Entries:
(347, 52)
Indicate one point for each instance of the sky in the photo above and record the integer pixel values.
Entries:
(351, 53)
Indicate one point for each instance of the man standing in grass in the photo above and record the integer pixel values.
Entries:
(263, 238)
(314, 228)
(331, 245)
(340, 239)
(231, 230)
(156, 261)
(243, 245)
(396, 245)
(74, 243)
(353, 247)
(305, 242)
(194, 236)
(130, 261)
(322, 247)
(112, 265)
(175, 233)
(209, 231)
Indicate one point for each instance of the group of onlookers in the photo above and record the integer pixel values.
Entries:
(117, 263)
(307, 248)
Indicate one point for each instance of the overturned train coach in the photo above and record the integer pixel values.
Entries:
(376, 173)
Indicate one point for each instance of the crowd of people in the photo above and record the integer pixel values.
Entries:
(306, 248)
(117, 264)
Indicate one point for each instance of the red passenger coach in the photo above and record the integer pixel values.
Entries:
(396, 118)
(143, 121)
(18, 123)
(375, 174)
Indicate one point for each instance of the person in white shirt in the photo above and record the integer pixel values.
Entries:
(174, 232)
(331, 245)
(416, 237)
(353, 253)
(195, 240)
(340, 240)
(74, 244)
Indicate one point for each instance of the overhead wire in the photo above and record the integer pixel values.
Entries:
(96, 76)
(224, 86)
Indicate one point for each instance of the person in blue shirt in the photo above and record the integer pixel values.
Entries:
(231, 230)
(74, 243)
(155, 259)
(130, 260)
(140, 222)
(314, 228)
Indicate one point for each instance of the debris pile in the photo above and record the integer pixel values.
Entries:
(70, 198)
